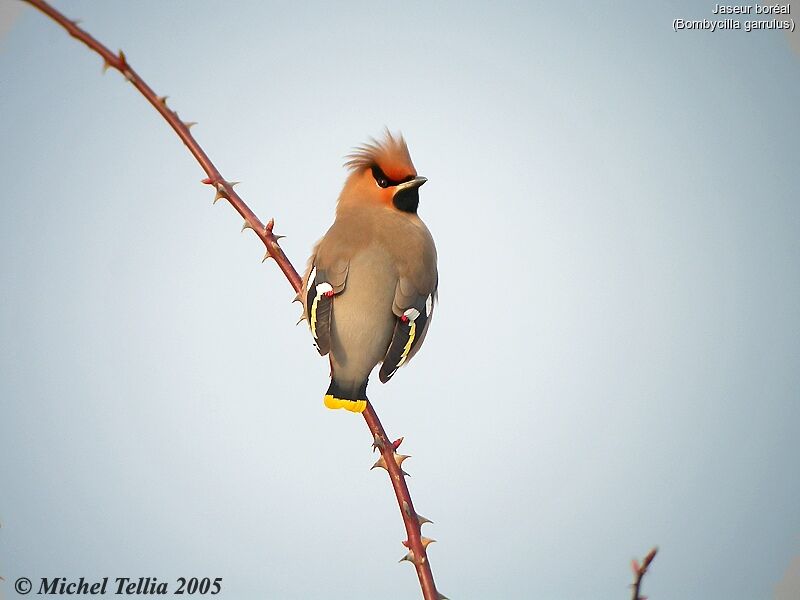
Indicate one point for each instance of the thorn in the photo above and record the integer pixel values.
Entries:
(124, 67)
(233, 183)
(298, 299)
(441, 596)
(407, 510)
(397, 442)
(302, 318)
(409, 557)
(266, 256)
(381, 462)
(247, 225)
(106, 66)
(268, 227)
(378, 442)
(221, 191)
(422, 520)
(279, 237)
(189, 124)
(423, 540)
(77, 22)
(163, 100)
(207, 181)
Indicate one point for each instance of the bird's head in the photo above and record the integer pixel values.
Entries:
(382, 174)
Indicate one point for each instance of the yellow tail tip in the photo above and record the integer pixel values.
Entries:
(356, 406)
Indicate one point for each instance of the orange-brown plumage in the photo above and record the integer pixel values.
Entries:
(386, 158)
(391, 154)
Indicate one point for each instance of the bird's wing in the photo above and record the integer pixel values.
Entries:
(323, 282)
(413, 309)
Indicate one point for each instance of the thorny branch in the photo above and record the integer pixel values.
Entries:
(639, 571)
(389, 459)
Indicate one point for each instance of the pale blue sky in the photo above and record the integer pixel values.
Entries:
(614, 363)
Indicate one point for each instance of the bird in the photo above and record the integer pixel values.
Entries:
(371, 282)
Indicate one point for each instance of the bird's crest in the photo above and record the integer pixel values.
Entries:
(390, 154)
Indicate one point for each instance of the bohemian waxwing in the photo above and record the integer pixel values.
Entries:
(371, 282)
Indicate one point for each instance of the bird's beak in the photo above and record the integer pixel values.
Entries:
(414, 183)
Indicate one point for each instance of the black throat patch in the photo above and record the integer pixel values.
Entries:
(407, 200)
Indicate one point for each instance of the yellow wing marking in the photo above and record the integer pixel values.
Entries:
(313, 321)
(322, 288)
(411, 335)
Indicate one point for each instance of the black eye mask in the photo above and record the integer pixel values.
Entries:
(382, 180)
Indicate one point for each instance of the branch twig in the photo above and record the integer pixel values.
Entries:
(389, 460)
(639, 571)
(223, 188)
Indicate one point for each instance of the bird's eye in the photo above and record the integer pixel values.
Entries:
(380, 177)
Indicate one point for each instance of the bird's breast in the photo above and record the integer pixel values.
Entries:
(363, 320)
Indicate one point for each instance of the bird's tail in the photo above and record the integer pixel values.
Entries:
(352, 398)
